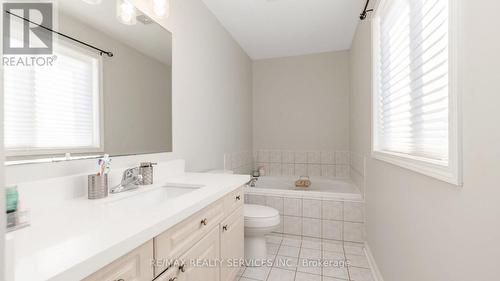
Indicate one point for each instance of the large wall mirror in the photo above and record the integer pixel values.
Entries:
(90, 102)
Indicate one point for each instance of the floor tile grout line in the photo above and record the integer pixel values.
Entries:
(274, 257)
(321, 250)
(321, 260)
(274, 260)
(298, 260)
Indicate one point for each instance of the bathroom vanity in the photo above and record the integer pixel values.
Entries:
(183, 227)
(190, 249)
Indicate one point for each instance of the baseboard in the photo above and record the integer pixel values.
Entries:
(371, 260)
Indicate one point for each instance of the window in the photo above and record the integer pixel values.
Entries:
(54, 109)
(415, 100)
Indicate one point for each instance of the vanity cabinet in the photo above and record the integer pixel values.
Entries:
(171, 274)
(173, 243)
(206, 246)
(134, 266)
(207, 249)
(231, 244)
(233, 201)
(204, 253)
(219, 225)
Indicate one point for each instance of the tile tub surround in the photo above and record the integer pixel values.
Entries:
(328, 164)
(317, 217)
(239, 162)
(292, 258)
(357, 170)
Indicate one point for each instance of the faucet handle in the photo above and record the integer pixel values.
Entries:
(130, 175)
(138, 178)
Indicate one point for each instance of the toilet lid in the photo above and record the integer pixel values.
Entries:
(258, 211)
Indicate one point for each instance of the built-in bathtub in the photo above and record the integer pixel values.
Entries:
(328, 209)
(320, 188)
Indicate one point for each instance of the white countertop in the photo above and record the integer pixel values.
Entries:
(78, 237)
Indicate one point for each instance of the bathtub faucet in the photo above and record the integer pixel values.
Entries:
(251, 182)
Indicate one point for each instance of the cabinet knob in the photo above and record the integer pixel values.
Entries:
(172, 279)
(204, 221)
(182, 268)
(120, 279)
(225, 227)
(238, 198)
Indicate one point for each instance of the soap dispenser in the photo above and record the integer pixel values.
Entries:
(146, 171)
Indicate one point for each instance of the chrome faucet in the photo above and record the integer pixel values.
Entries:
(251, 182)
(131, 179)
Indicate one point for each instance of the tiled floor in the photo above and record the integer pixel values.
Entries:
(298, 258)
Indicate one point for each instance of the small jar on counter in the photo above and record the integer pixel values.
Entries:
(146, 171)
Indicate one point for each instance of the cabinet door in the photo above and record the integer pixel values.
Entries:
(171, 274)
(134, 266)
(233, 201)
(232, 245)
(201, 261)
(176, 241)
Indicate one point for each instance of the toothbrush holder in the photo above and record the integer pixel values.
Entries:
(97, 186)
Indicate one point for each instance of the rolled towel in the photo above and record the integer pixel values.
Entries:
(303, 182)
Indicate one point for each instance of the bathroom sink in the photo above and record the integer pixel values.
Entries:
(151, 197)
(182, 185)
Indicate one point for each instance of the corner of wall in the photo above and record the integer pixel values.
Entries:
(373, 264)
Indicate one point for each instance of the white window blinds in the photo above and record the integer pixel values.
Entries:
(412, 82)
(51, 109)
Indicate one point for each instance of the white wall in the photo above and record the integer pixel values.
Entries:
(212, 88)
(302, 103)
(211, 97)
(420, 228)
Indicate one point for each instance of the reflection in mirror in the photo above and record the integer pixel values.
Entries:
(89, 103)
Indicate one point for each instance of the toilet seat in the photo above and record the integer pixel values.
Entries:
(260, 216)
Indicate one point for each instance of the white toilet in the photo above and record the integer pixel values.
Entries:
(259, 221)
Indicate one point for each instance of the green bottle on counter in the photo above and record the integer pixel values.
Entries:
(11, 197)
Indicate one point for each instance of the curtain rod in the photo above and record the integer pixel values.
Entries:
(363, 14)
(101, 52)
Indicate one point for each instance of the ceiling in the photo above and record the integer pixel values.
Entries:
(151, 40)
(279, 28)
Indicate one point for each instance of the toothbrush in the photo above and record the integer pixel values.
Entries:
(104, 164)
(100, 164)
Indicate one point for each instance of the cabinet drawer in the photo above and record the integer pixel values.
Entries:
(233, 201)
(134, 266)
(176, 241)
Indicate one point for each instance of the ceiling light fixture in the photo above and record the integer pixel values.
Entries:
(161, 8)
(93, 2)
(126, 12)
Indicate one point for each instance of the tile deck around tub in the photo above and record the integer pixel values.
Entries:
(297, 258)
(318, 218)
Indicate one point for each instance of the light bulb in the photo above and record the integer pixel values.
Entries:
(161, 8)
(126, 12)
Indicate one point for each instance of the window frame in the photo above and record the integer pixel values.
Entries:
(450, 172)
(98, 115)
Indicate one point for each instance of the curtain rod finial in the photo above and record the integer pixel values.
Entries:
(364, 14)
